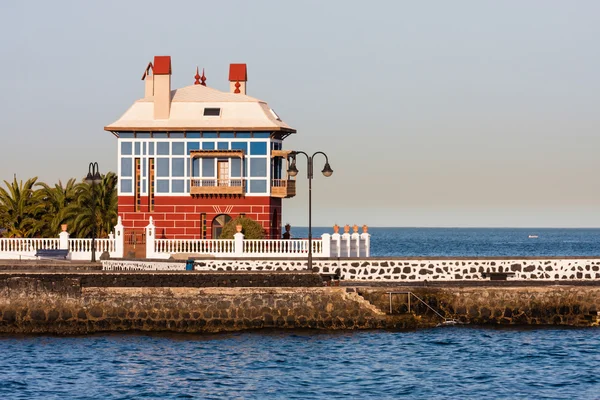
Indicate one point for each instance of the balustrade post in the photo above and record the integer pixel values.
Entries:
(119, 239)
(346, 244)
(238, 244)
(150, 237)
(64, 238)
(366, 240)
(335, 238)
(326, 245)
(355, 244)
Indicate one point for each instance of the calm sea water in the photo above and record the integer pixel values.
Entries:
(448, 362)
(452, 363)
(467, 242)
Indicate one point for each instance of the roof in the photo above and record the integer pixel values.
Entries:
(162, 65)
(238, 72)
(238, 112)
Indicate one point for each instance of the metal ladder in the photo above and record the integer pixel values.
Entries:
(445, 321)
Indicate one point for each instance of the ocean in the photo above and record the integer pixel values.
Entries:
(459, 362)
(476, 242)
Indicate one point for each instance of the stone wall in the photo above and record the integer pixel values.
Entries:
(48, 280)
(546, 305)
(406, 269)
(27, 306)
(63, 305)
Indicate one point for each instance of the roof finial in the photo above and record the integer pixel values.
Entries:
(197, 76)
(203, 78)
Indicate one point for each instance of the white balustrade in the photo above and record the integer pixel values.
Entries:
(202, 246)
(335, 245)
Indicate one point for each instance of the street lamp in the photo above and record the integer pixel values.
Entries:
(293, 171)
(93, 178)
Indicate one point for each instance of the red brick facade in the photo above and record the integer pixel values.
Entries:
(179, 217)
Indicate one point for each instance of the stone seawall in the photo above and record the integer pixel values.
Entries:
(541, 305)
(26, 306)
(62, 305)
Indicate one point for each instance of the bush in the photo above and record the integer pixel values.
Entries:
(250, 228)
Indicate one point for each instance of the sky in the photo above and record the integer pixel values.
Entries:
(433, 114)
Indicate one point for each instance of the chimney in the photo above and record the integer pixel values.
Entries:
(162, 87)
(148, 77)
(237, 78)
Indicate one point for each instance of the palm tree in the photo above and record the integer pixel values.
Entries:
(56, 201)
(19, 209)
(95, 207)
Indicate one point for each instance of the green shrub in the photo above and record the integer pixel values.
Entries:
(250, 228)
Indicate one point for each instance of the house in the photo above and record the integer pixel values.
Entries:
(195, 157)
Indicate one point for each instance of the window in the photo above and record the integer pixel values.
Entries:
(258, 186)
(126, 186)
(226, 135)
(258, 148)
(137, 148)
(179, 148)
(126, 135)
(126, 167)
(177, 186)
(208, 145)
(178, 168)
(240, 146)
(212, 112)
(151, 184)
(236, 168)
(162, 186)
(258, 167)
(208, 167)
(162, 148)
(126, 148)
(193, 146)
(162, 167)
(137, 184)
(223, 145)
(195, 167)
(203, 225)
(151, 148)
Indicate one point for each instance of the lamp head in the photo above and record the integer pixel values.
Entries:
(97, 178)
(327, 171)
(292, 170)
(89, 179)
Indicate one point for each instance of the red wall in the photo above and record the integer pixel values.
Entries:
(178, 217)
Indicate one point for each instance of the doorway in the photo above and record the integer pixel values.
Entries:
(218, 223)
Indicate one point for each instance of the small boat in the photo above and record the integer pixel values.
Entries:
(533, 236)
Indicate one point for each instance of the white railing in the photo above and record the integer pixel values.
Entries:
(336, 245)
(199, 246)
(79, 249)
(25, 248)
(329, 245)
(28, 244)
(281, 247)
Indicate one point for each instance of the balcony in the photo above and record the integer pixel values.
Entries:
(283, 188)
(218, 186)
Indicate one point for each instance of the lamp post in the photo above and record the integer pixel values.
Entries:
(293, 171)
(93, 178)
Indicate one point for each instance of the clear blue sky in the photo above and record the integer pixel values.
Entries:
(463, 113)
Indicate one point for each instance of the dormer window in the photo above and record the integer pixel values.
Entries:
(212, 112)
(275, 114)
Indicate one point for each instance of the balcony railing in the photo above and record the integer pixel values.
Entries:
(283, 188)
(218, 186)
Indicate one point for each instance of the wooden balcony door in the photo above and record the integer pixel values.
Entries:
(222, 173)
